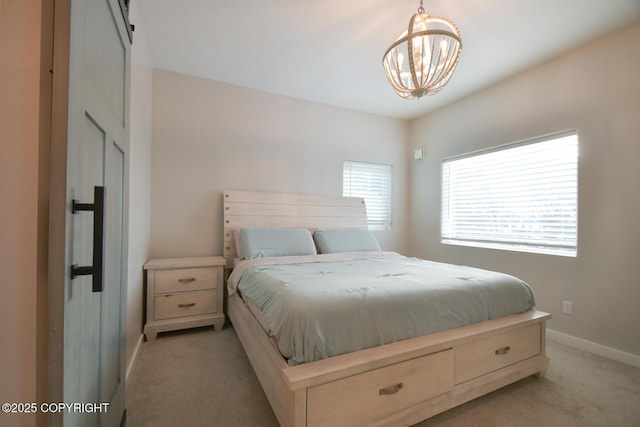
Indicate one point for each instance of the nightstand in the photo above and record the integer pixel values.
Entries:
(184, 293)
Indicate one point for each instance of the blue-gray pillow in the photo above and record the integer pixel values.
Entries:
(272, 242)
(345, 240)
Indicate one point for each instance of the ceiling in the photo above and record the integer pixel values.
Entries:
(330, 51)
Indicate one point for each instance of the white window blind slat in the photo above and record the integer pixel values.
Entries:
(371, 181)
(519, 197)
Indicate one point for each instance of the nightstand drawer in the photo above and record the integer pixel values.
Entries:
(185, 279)
(184, 304)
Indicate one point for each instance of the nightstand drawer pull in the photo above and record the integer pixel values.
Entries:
(503, 350)
(191, 304)
(391, 389)
(187, 280)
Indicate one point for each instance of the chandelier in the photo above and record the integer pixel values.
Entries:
(422, 59)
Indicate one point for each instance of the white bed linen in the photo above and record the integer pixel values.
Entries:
(323, 305)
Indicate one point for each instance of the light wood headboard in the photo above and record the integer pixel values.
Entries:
(246, 209)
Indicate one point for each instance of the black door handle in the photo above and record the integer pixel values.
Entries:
(95, 270)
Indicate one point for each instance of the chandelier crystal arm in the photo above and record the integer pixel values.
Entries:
(410, 41)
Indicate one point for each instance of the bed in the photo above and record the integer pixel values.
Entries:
(398, 383)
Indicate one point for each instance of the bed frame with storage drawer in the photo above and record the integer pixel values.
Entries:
(400, 383)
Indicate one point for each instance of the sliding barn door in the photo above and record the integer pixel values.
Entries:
(97, 156)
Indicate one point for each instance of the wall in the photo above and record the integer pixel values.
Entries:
(139, 182)
(20, 269)
(209, 137)
(595, 89)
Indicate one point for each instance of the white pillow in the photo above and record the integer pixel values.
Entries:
(345, 240)
(271, 242)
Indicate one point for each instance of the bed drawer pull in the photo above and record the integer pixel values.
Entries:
(187, 305)
(391, 389)
(503, 350)
(186, 280)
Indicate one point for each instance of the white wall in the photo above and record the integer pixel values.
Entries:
(595, 89)
(209, 137)
(139, 181)
(20, 24)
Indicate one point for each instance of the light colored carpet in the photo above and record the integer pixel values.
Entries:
(200, 377)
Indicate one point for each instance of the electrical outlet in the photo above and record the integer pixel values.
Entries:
(567, 307)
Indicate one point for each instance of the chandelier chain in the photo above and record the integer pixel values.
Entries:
(421, 8)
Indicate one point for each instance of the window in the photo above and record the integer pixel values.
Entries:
(521, 197)
(373, 182)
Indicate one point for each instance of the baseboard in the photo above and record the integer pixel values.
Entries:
(591, 347)
(134, 359)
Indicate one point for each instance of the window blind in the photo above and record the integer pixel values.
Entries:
(519, 197)
(372, 181)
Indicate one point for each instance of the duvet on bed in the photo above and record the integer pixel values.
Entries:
(320, 306)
